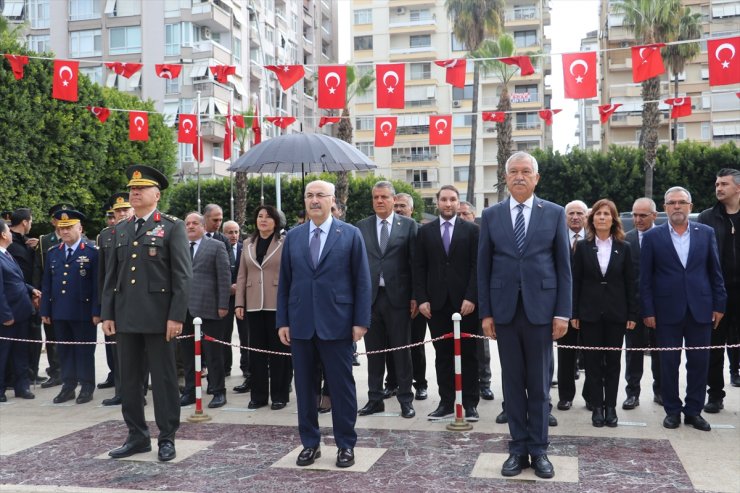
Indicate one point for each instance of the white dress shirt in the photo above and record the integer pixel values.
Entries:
(603, 252)
(527, 211)
(681, 243)
(325, 228)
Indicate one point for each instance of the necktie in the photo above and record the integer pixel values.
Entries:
(192, 250)
(519, 233)
(69, 254)
(575, 240)
(383, 235)
(139, 223)
(446, 237)
(315, 246)
(209, 235)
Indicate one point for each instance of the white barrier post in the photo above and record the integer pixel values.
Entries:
(459, 424)
(198, 416)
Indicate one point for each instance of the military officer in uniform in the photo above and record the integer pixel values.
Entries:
(70, 300)
(145, 300)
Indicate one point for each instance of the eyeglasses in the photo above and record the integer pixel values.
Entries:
(681, 203)
(319, 195)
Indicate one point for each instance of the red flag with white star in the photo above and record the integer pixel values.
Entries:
(239, 121)
(385, 130)
(579, 75)
(547, 115)
(17, 62)
(440, 130)
(647, 62)
(101, 114)
(280, 121)
(65, 80)
(138, 125)
(494, 116)
(168, 70)
(332, 87)
(391, 85)
(124, 69)
(679, 106)
(724, 61)
(287, 75)
(523, 62)
(329, 120)
(187, 129)
(455, 73)
(222, 72)
(607, 110)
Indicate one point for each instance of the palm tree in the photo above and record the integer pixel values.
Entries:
(356, 86)
(240, 179)
(676, 56)
(472, 22)
(651, 21)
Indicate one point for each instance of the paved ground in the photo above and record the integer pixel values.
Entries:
(63, 448)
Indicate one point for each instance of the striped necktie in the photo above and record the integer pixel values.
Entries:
(519, 233)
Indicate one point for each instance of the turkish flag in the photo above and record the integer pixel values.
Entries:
(124, 69)
(17, 62)
(455, 74)
(724, 61)
(138, 125)
(647, 62)
(280, 121)
(679, 106)
(332, 87)
(547, 115)
(187, 129)
(287, 74)
(440, 130)
(329, 120)
(494, 116)
(101, 114)
(523, 62)
(256, 129)
(198, 150)
(65, 80)
(238, 121)
(222, 72)
(229, 136)
(579, 74)
(607, 110)
(391, 85)
(385, 130)
(168, 70)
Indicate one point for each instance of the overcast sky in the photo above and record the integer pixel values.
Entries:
(570, 21)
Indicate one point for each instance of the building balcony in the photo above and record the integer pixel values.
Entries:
(216, 18)
(522, 16)
(210, 49)
(395, 4)
(489, 130)
(416, 53)
(210, 88)
(212, 130)
(408, 26)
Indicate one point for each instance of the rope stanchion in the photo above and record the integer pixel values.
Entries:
(459, 424)
(198, 416)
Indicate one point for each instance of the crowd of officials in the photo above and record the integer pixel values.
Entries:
(526, 273)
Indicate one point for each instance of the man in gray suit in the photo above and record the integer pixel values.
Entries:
(390, 242)
(525, 294)
(210, 302)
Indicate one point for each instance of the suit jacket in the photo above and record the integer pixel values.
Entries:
(541, 272)
(597, 295)
(15, 293)
(632, 238)
(23, 255)
(439, 276)
(148, 279)
(257, 284)
(330, 299)
(667, 289)
(211, 284)
(235, 262)
(396, 263)
(70, 288)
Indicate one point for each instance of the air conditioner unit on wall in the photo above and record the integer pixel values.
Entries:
(400, 10)
(205, 32)
(456, 103)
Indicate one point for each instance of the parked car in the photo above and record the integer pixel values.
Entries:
(629, 224)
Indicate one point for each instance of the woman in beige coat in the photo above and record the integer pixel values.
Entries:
(256, 297)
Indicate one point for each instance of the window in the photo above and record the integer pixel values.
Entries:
(420, 41)
(364, 123)
(680, 130)
(462, 93)
(39, 44)
(367, 148)
(420, 15)
(269, 34)
(172, 86)
(525, 94)
(125, 40)
(172, 39)
(95, 74)
(462, 121)
(527, 145)
(218, 150)
(13, 9)
(238, 51)
(413, 153)
(85, 43)
(84, 9)
(420, 71)
(363, 42)
(706, 132)
(420, 96)
(363, 16)
(366, 97)
(122, 8)
(524, 39)
(413, 124)
(38, 13)
(527, 121)
(461, 173)
(457, 45)
(461, 146)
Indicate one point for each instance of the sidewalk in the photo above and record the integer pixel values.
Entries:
(63, 448)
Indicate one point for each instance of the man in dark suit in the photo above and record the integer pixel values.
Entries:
(525, 287)
(390, 241)
(145, 300)
(323, 305)
(232, 234)
(683, 297)
(644, 213)
(210, 302)
(445, 283)
(17, 300)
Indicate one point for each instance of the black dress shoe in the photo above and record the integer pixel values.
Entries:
(187, 399)
(610, 417)
(407, 410)
(307, 456)
(658, 399)
(52, 382)
(38, 380)
(26, 394)
(421, 394)
(486, 394)
(276, 406)
(64, 396)
(389, 392)
(256, 405)
(84, 397)
(502, 417)
(631, 402)
(697, 422)
(735, 379)
(109, 383)
(130, 448)
(3, 398)
(514, 464)
(345, 457)
(219, 400)
(713, 407)
(552, 420)
(372, 407)
(113, 401)
(672, 421)
(166, 451)
(597, 418)
(565, 405)
(443, 411)
(471, 413)
(243, 388)
(542, 467)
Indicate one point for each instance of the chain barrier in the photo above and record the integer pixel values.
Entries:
(14, 339)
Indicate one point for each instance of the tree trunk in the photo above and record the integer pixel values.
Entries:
(240, 199)
(649, 134)
(344, 132)
(473, 138)
(504, 141)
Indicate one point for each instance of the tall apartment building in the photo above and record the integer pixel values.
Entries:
(715, 117)
(197, 34)
(418, 32)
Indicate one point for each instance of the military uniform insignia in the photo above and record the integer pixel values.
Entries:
(158, 231)
(152, 251)
(136, 175)
(83, 272)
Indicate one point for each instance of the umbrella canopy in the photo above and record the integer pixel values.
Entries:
(302, 153)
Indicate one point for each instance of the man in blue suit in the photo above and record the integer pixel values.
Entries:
(323, 305)
(17, 299)
(683, 298)
(524, 295)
